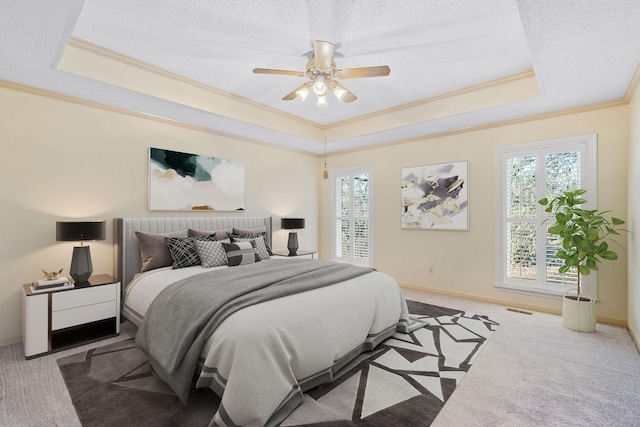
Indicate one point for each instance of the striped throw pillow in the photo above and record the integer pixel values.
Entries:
(241, 253)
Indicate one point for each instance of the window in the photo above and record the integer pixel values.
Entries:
(526, 173)
(351, 202)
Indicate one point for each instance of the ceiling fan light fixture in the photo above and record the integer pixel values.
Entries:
(319, 86)
(302, 93)
(323, 76)
(322, 101)
(339, 92)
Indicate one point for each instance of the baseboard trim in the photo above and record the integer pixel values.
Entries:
(634, 337)
(9, 341)
(600, 319)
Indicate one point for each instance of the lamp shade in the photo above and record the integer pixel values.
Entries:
(80, 231)
(292, 223)
(77, 231)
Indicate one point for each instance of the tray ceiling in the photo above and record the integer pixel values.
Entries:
(443, 56)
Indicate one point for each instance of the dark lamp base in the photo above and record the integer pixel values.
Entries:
(292, 244)
(81, 267)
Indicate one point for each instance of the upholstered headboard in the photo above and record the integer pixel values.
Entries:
(127, 260)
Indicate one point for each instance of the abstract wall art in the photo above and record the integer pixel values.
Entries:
(189, 182)
(435, 197)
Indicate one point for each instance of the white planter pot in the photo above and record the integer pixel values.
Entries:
(579, 315)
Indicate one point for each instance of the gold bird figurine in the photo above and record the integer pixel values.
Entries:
(51, 275)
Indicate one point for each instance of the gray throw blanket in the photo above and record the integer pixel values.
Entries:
(186, 313)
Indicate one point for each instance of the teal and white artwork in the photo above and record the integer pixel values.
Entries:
(194, 182)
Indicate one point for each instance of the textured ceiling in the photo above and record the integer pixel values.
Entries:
(582, 52)
(219, 43)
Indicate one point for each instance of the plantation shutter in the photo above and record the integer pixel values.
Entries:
(528, 173)
(352, 216)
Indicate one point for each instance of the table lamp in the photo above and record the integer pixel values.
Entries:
(80, 231)
(292, 224)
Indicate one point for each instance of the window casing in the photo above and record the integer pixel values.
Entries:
(352, 215)
(526, 173)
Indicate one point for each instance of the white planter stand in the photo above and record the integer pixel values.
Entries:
(579, 315)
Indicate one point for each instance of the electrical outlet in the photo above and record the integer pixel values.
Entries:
(432, 271)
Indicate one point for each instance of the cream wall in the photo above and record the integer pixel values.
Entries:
(66, 160)
(464, 261)
(634, 215)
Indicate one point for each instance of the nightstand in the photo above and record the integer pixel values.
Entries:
(300, 253)
(57, 320)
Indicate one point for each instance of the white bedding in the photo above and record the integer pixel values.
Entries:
(313, 331)
(145, 286)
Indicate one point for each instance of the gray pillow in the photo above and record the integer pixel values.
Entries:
(212, 254)
(257, 230)
(221, 234)
(241, 253)
(153, 249)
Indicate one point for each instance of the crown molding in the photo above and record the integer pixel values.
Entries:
(471, 89)
(522, 83)
(633, 85)
(67, 98)
(544, 116)
(119, 110)
(124, 59)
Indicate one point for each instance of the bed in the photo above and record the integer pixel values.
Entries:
(258, 334)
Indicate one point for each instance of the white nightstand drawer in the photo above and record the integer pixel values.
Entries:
(80, 315)
(63, 319)
(80, 297)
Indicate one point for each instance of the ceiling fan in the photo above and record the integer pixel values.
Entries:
(323, 75)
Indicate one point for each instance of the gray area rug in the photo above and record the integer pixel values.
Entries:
(404, 382)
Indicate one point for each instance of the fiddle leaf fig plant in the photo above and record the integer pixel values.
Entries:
(584, 233)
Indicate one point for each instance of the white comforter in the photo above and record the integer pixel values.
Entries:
(260, 357)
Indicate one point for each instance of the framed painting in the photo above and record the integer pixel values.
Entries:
(194, 182)
(435, 197)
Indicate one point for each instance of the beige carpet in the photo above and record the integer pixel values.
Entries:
(535, 372)
(532, 372)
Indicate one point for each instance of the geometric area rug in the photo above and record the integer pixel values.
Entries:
(405, 381)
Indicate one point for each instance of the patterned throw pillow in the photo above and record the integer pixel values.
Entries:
(261, 246)
(253, 233)
(241, 253)
(184, 252)
(212, 254)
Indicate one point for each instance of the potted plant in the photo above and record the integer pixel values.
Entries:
(584, 234)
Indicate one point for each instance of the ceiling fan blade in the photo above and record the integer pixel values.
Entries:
(342, 93)
(356, 73)
(322, 53)
(273, 71)
(292, 95)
